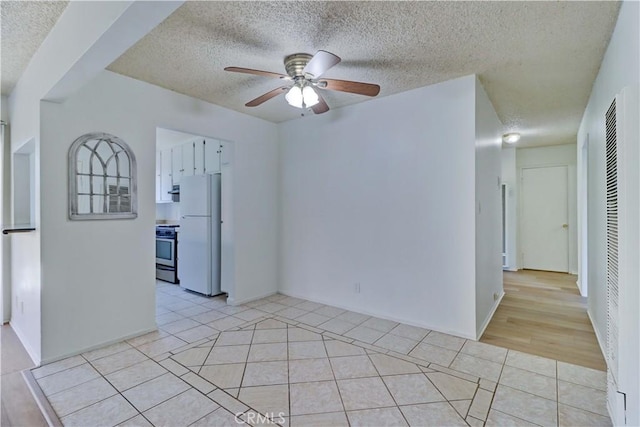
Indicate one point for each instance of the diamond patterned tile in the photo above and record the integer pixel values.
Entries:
(315, 398)
(352, 367)
(252, 366)
(299, 334)
(307, 350)
(269, 336)
(227, 354)
(410, 389)
(268, 352)
(266, 399)
(265, 373)
(308, 370)
(234, 338)
(364, 393)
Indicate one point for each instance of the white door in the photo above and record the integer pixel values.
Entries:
(194, 254)
(544, 216)
(195, 196)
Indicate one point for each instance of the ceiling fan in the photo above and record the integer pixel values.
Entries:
(304, 77)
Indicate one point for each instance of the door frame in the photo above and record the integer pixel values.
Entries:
(583, 216)
(519, 255)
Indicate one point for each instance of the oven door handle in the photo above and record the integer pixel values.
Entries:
(164, 267)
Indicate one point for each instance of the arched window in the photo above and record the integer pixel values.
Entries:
(102, 178)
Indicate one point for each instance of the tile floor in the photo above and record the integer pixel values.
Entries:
(306, 364)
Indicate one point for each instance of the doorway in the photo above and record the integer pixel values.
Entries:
(545, 219)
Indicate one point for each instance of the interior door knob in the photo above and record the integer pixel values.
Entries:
(565, 225)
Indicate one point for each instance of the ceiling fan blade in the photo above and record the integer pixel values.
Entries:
(267, 96)
(367, 89)
(320, 63)
(257, 72)
(321, 106)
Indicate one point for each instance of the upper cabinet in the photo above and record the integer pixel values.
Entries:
(176, 165)
(165, 176)
(196, 157)
(211, 156)
(188, 162)
(158, 175)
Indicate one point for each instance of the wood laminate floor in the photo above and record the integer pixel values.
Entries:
(18, 406)
(542, 313)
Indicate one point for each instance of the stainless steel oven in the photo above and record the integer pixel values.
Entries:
(166, 251)
(167, 254)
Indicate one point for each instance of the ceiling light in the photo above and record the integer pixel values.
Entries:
(302, 97)
(511, 138)
(294, 97)
(309, 96)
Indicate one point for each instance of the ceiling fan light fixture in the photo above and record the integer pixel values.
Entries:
(294, 97)
(302, 97)
(511, 138)
(309, 96)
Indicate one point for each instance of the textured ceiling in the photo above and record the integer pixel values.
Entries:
(537, 60)
(25, 24)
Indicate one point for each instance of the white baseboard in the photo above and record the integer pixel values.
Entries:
(233, 301)
(94, 347)
(371, 313)
(600, 340)
(489, 316)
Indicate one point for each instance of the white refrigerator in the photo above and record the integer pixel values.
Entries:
(199, 234)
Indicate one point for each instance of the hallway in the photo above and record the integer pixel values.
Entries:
(18, 407)
(543, 313)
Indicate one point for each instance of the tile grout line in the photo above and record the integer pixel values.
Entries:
(387, 387)
(335, 380)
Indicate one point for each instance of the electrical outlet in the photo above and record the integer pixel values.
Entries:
(21, 307)
(357, 288)
(496, 296)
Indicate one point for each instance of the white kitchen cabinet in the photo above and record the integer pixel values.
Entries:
(198, 156)
(165, 175)
(211, 156)
(158, 175)
(188, 163)
(176, 165)
(226, 153)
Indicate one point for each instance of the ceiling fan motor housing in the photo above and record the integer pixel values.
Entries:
(294, 64)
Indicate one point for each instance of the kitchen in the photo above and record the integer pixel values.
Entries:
(191, 199)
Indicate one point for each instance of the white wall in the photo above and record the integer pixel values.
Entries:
(509, 177)
(63, 63)
(101, 303)
(556, 155)
(168, 211)
(382, 194)
(620, 68)
(24, 111)
(488, 131)
(5, 213)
